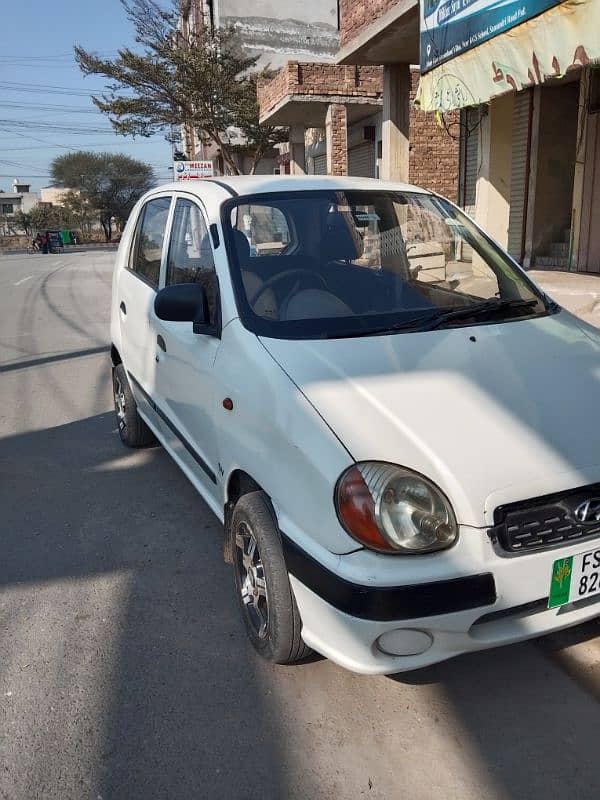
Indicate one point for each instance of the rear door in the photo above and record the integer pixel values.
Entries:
(137, 287)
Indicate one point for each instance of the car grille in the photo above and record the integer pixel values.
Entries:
(544, 522)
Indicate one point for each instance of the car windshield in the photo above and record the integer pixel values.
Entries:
(328, 264)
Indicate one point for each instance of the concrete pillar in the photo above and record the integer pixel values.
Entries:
(336, 138)
(297, 153)
(395, 122)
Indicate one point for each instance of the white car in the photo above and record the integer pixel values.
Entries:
(399, 430)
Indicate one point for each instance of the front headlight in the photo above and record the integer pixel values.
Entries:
(394, 510)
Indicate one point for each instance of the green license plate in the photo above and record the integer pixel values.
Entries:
(574, 578)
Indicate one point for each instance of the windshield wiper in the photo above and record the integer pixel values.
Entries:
(406, 324)
(436, 317)
(484, 310)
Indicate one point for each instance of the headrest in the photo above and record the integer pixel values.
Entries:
(242, 247)
(338, 242)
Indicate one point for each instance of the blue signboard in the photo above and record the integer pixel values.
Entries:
(451, 27)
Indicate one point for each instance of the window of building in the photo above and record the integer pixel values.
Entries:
(146, 253)
(8, 208)
(190, 258)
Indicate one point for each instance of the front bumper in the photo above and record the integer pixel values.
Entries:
(344, 625)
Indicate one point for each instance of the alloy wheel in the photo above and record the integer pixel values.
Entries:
(120, 404)
(253, 584)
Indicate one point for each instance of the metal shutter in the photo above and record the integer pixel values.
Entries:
(320, 165)
(519, 176)
(469, 158)
(361, 160)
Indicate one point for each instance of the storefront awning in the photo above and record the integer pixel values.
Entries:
(564, 37)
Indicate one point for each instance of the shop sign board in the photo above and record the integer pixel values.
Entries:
(452, 27)
(192, 170)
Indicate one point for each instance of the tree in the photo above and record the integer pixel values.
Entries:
(48, 217)
(22, 222)
(83, 213)
(111, 184)
(185, 77)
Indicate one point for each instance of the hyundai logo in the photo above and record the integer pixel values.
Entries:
(588, 511)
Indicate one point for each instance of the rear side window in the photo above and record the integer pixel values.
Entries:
(146, 253)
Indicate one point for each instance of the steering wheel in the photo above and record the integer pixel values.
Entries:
(270, 282)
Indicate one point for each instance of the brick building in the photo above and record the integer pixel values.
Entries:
(272, 33)
(299, 97)
(332, 113)
(358, 102)
(518, 87)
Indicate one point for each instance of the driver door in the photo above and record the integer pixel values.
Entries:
(185, 391)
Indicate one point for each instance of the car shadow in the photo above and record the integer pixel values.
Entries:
(179, 706)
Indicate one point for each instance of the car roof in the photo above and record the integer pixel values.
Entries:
(232, 185)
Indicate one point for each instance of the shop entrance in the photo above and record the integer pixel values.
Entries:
(552, 171)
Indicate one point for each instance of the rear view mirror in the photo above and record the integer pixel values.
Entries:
(183, 302)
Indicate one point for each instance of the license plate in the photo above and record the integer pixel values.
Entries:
(574, 578)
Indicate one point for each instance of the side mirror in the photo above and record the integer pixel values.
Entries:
(183, 302)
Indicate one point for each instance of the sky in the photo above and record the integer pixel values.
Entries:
(37, 71)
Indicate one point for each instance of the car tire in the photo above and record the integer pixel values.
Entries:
(262, 584)
(132, 429)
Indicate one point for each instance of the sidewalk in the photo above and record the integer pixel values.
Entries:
(578, 292)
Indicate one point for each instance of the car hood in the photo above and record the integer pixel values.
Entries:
(491, 413)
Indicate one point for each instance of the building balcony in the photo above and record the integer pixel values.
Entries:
(300, 93)
(379, 32)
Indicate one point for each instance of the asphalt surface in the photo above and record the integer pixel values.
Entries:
(124, 669)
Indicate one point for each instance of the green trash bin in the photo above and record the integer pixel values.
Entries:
(66, 237)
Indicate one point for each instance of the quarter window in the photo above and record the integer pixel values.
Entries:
(146, 255)
(190, 258)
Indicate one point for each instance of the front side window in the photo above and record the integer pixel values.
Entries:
(190, 258)
(146, 253)
(364, 262)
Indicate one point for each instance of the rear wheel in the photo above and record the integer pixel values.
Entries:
(132, 429)
(263, 588)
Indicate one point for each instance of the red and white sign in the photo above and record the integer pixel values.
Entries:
(192, 170)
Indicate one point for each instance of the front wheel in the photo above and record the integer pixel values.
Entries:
(263, 588)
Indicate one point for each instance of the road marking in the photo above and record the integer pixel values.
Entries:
(18, 283)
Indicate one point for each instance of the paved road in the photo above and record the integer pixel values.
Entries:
(124, 670)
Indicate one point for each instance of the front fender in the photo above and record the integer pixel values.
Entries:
(276, 436)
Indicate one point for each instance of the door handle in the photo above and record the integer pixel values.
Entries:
(123, 307)
(161, 343)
